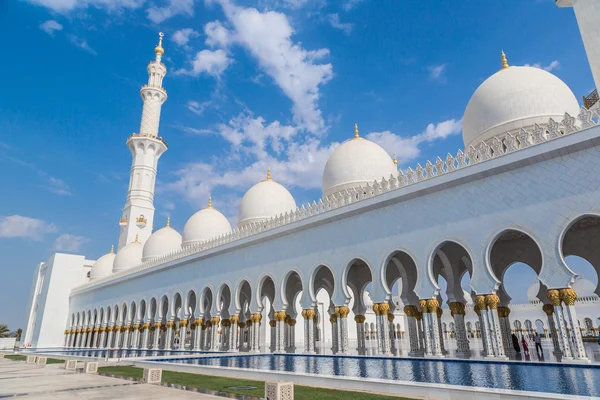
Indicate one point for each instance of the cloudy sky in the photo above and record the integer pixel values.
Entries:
(251, 84)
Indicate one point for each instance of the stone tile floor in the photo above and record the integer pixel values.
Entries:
(18, 379)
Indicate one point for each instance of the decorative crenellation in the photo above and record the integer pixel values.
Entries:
(501, 145)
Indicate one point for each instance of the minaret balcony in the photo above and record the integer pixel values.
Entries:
(141, 222)
(146, 135)
(124, 221)
(154, 87)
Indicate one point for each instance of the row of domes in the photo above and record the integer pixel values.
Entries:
(511, 99)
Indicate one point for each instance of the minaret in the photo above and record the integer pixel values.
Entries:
(146, 148)
(587, 13)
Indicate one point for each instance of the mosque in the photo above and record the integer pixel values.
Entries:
(525, 189)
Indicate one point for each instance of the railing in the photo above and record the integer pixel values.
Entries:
(500, 145)
(591, 99)
(159, 138)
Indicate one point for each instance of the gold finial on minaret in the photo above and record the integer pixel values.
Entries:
(112, 248)
(395, 160)
(504, 60)
(168, 221)
(158, 50)
(209, 202)
(137, 238)
(356, 135)
(269, 173)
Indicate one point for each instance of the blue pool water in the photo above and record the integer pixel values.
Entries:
(573, 380)
(103, 353)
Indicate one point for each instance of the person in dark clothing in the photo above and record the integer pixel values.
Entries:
(515, 342)
(538, 345)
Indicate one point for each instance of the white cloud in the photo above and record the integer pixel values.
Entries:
(183, 36)
(350, 4)
(436, 72)
(198, 108)
(57, 186)
(50, 27)
(71, 243)
(65, 6)
(334, 21)
(25, 227)
(208, 62)
(553, 66)
(174, 7)
(407, 148)
(216, 34)
(82, 44)
(268, 37)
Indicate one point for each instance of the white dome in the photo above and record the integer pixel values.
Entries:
(164, 241)
(264, 200)
(206, 224)
(128, 257)
(533, 291)
(584, 288)
(514, 98)
(103, 266)
(356, 162)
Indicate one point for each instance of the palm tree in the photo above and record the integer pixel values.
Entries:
(4, 331)
(18, 333)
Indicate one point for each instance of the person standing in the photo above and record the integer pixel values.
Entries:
(538, 345)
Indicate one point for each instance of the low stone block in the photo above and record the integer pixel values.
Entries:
(91, 367)
(152, 375)
(1, 355)
(71, 365)
(31, 359)
(279, 390)
(41, 360)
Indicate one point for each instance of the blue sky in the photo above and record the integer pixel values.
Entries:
(251, 84)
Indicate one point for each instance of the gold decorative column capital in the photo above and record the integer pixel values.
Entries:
(272, 323)
(432, 305)
(492, 301)
(553, 296)
(477, 310)
(291, 322)
(568, 295)
(360, 319)
(390, 317)
(215, 321)
(242, 325)
(440, 312)
(183, 323)
(457, 308)
(333, 319)
(198, 321)
(411, 311)
(480, 302)
(309, 314)
(170, 324)
(423, 305)
(279, 315)
(548, 309)
(342, 311)
(383, 308)
(503, 312)
(234, 319)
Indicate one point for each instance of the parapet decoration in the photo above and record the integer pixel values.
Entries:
(500, 145)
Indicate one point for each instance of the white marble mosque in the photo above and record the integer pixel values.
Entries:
(361, 266)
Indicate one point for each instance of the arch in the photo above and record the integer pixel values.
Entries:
(142, 310)
(451, 261)
(322, 277)
(132, 311)
(266, 288)
(163, 307)
(176, 306)
(400, 265)
(153, 314)
(356, 275)
(243, 297)
(206, 302)
(191, 303)
(223, 300)
(581, 237)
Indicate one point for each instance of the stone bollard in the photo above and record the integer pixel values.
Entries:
(71, 365)
(31, 359)
(91, 367)
(1, 355)
(152, 375)
(41, 360)
(279, 391)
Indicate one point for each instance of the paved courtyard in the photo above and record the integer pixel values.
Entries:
(18, 379)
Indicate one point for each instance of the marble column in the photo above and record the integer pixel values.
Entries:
(225, 328)
(485, 327)
(563, 336)
(111, 335)
(492, 301)
(273, 335)
(392, 334)
(103, 334)
(309, 330)
(84, 335)
(182, 333)
(549, 310)
(280, 331)
(457, 310)
(255, 318)
(169, 336)
(90, 333)
(383, 334)
(145, 333)
(360, 333)
(426, 328)
(214, 333)
(233, 333)
(292, 336)
(439, 314)
(411, 313)
(342, 321)
(421, 330)
(506, 330)
(198, 323)
(433, 331)
(157, 328)
(568, 296)
(71, 337)
(334, 333)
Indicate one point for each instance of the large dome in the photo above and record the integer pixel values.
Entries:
(206, 224)
(103, 266)
(514, 98)
(163, 241)
(584, 287)
(264, 200)
(129, 256)
(356, 162)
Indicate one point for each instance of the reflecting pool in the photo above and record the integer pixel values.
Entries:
(573, 380)
(117, 353)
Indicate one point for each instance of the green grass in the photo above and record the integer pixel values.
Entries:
(19, 357)
(224, 384)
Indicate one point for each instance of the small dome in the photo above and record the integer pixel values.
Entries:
(533, 291)
(206, 224)
(468, 298)
(103, 266)
(356, 162)
(129, 256)
(584, 288)
(514, 98)
(164, 241)
(264, 200)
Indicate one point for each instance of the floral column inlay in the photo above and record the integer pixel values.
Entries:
(553, 296)
(492, 301)
(342, 315)
(568, 296)
(457, 310)
(309, 330)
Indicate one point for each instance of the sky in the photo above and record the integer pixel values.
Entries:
(251, 85)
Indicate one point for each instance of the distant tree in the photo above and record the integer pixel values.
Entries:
(4, 331)
(18, 333)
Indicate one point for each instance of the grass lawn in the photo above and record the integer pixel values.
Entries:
(224, 384)
(19, 357)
